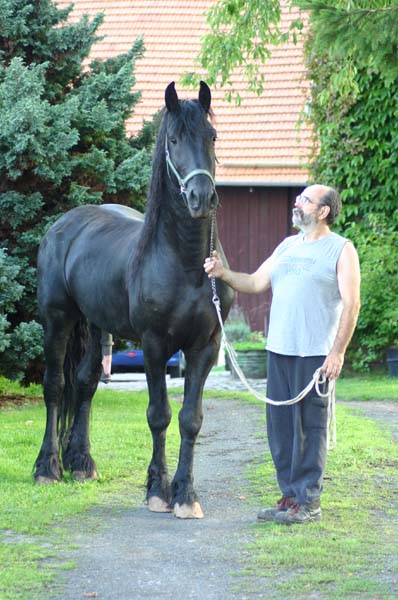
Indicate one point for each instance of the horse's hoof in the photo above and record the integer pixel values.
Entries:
(186, 511)
(81, 476)
(45, 480)
(156, 504)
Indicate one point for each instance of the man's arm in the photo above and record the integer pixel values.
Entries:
(349, 278)
(249, 283)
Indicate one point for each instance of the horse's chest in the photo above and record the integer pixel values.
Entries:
(175, 302)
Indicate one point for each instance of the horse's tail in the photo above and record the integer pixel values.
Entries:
(75, 351)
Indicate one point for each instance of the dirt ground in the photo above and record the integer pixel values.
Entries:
(136, 554)
(16, 400)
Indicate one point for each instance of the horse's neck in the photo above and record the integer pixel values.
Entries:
(189, 238)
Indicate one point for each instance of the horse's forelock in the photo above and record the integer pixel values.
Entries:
(191, 119)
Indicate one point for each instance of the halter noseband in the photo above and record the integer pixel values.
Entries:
(182, 182)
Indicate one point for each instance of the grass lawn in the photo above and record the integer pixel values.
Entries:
(367, 387)
(350, 554)
(358, 387)
(33, 518)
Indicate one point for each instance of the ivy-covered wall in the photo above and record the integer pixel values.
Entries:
(356, 150)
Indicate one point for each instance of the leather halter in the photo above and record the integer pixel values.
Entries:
(182, 182)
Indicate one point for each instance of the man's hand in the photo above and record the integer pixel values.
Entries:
(333, 364)
(253, 283)
(213, 265)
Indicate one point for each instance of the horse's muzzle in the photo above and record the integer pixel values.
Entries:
(201, 201)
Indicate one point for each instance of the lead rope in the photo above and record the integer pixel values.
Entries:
(318, 378)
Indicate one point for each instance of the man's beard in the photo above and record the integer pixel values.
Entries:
(303, 221)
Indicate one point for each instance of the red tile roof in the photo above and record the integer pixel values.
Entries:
(258, 142)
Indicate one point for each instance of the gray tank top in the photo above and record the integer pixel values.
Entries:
(306, 302)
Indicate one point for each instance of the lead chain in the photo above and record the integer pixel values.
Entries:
(213, 279)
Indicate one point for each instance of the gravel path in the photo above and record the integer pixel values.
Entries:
(132, 554)
(137, 554)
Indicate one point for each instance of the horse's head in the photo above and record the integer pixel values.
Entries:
(189, 147)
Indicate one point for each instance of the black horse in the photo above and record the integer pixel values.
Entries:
(108, 268)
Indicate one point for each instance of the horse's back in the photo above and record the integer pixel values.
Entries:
(125, 211)
(107, 216)
(90, 228)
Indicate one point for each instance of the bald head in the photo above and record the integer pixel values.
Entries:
(328, 196)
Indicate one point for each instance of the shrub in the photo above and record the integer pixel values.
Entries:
(237, 327)
(355, 150)
(255, 341)
(377, 327)
(63, 143)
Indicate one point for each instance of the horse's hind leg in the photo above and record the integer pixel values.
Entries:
(158, 416)
(57, 327)
(76, 455)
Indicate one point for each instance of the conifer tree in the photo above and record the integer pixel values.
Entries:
(63, 143)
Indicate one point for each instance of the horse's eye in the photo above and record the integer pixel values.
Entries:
(215, 138)
(173, 140)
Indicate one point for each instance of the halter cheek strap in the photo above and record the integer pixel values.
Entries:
(183, 182)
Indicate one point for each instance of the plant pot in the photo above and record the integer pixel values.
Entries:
(253, 364)
(392, 361)
(227, 361)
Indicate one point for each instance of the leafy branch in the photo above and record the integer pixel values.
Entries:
(243, 33)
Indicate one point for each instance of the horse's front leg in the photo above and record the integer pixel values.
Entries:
(199, 363)
(159, 417)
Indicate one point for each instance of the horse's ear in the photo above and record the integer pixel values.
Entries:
(205, 96)
(171, 97)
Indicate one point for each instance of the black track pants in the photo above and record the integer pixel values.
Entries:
(297, 434)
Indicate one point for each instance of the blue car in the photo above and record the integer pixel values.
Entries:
(132, 359)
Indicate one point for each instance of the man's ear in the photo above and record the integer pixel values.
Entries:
(326, 211)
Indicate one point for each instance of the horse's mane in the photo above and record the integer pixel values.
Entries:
(191, 118)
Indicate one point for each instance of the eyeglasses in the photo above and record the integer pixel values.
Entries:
(303, 199)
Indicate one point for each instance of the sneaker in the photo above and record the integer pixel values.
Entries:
(268, 514)
(300, 513)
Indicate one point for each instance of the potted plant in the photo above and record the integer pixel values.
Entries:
(251, 356)
(237, 329)
(249, 346)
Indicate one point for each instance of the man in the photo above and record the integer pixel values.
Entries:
(315, 280)
(106, 346)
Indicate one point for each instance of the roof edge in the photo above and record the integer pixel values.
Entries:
(248, 183)
(254, 164)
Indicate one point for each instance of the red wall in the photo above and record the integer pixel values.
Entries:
(251, 223)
